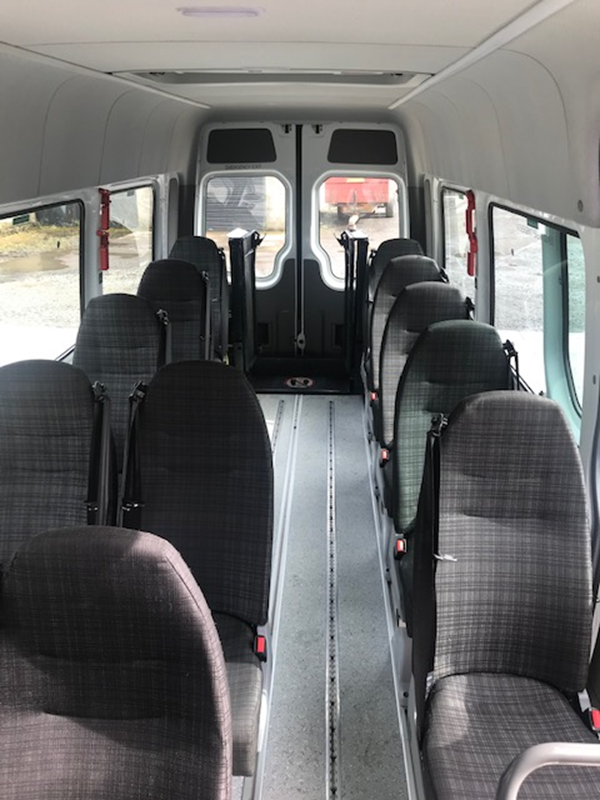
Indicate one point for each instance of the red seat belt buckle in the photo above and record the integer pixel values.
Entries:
(400, 548)
(384, 457)
(594, 719)
(373, 397)
(260, 647)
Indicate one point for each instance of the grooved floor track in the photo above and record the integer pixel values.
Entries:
(332, 734)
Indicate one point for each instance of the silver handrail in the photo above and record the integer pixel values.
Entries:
(545, 755)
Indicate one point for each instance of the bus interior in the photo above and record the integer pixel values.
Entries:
(319, 283)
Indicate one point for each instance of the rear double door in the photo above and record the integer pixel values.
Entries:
(280, 180)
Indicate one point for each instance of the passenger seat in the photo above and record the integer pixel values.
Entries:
(113, 683)
(380, 258)
(417, 307)
(503, 600)
(449, 361)
(199, 473)
(56, 462)
(178, 288)
(204, 254)
(121, 341)
(398, 274)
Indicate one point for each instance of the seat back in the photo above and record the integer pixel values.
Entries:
(380, 258)
(449, 361)
(113, 678)
(513, 513)
(398, 274)
(200, 465)
(503, 610)
(183, 292)
(121, 341)
(54, 464)
(418, 306)
(204, 254)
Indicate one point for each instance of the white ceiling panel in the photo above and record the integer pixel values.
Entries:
(461, 23)
(124, 37)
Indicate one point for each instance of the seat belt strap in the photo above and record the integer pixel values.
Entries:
(513, 363)
(131, 507)
(164, 347)
(100, 459)
(425, 550)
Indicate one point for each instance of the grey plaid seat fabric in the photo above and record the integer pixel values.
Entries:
(380, 258)
(449, 361)
(112, 677)
(204, 481)
(477, 723)
(244, 676)
(417, 306)
(514, 610)
(398, 274)
(50, 428)
(204, 254)
(183, 292)
(121, 341)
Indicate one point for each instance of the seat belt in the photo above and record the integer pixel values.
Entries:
(224, 309)
(425, 549)
(100, 459)
(513, 362)
(164, 347)
(206, 336)
(131, 506)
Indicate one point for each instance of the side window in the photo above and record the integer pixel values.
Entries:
(539, 302)
(131, 240)
(576, 314)
(40, 307)
(456, 240)
(251, 202)
(519, 290)
(352, 201)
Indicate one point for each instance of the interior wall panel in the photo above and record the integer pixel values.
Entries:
(62, 130)
(74, 134)
(124, 139)
(26, 92)
(184, 144)
(156, 142)
(501, 127)
(533, 130)
(140, 137)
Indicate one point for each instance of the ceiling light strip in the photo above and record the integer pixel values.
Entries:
(220, 12)
(529, 19)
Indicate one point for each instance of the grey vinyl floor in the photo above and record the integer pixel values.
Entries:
(323, 495)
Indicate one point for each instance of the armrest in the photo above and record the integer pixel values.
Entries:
(545, 755)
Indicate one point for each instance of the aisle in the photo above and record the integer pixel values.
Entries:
(333, 729)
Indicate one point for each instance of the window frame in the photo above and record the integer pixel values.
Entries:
(328, 276)
(261, 282)
(564, 231)
(450, 188)
(130, 186)
(576, 400)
